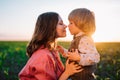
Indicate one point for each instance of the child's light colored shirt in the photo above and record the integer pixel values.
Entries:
(89, 54)
(87, 47)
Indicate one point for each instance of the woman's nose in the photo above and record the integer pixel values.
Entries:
(65, 26)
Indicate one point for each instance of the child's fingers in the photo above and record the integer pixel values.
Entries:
(73, 50)
(58, 47)
(69, 53)
(76, 50)
(66, 55)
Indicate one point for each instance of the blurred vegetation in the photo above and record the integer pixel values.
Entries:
(109, 66)
(13, 58)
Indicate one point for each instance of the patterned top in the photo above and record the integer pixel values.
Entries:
(87, 47)
(89, 52)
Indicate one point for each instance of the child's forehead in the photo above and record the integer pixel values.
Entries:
(71, 20)
(74, 17)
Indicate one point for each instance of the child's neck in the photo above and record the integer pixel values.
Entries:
(79, 34)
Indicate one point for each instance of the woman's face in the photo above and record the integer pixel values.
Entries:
(61, 28)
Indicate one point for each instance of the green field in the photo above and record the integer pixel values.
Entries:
(13, 58)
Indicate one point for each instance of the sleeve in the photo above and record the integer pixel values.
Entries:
(65, 50)
(89, 54)
(43, 69)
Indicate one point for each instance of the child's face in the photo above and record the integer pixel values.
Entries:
(73, 28)
(61, 28)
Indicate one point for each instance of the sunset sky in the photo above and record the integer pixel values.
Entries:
(18, 17)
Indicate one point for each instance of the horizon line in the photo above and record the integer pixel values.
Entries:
(57, 41)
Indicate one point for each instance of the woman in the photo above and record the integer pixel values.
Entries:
(44, 62)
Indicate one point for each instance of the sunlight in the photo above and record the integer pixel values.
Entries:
(97, 37)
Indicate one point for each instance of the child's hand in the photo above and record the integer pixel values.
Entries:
(75, 56)
(62, 51)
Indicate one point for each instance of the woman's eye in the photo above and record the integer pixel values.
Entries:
(61, 23)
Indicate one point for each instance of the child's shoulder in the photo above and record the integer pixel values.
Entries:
(86, 39)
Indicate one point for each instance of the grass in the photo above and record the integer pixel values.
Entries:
(13, 58)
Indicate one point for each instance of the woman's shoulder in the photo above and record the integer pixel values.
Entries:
(41, 55)
(41, 52)
(39, 60)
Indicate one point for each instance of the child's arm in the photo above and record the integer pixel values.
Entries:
(62, 50)
(89, 52)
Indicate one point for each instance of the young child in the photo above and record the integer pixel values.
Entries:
(82, 49)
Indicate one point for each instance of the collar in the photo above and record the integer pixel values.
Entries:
(79, 34)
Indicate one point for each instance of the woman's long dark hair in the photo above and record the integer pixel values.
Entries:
(45, 32)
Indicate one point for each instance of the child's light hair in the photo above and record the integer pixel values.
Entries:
(84, 19)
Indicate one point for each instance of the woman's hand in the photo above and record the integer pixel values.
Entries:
(72, 68)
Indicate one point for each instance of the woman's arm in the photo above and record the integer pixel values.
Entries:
(39, 67)
(62, 50)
